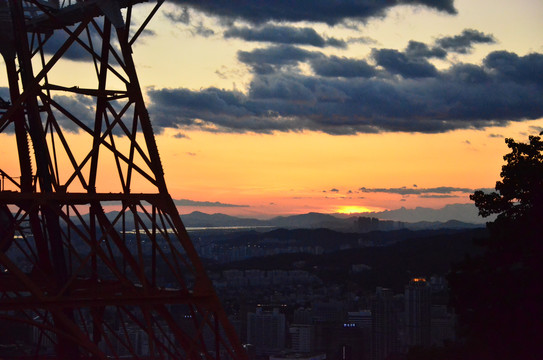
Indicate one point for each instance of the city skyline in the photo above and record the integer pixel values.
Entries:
(262, 111)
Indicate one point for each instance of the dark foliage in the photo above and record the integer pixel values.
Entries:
(520, 193)
(408, 254)
(498, 295)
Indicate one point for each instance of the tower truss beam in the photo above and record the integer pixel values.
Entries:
(81, 282)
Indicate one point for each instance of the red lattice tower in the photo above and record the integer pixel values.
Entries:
(77, 282)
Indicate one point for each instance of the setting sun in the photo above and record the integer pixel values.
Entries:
(353, 209)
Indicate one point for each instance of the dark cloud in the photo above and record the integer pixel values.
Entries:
(201, 30)
(335, 66)
(463, 96)
(185, 202)
(463, 43)
(417, 49)
(487, 190)
(334, 190)
(470, 74)
(4, 94)
(335, 42)
(361, 40)
(412, 62)
(91, 38)
(335, 12)
(81, 106)
(283, 35)
(396, 62)
(181, 136)
(5, 102)
(271, 59)
(76, 52)
(268, 60)
(495, 135)
(182, 15)
(205, 109)
(510, 66)
(442, 190)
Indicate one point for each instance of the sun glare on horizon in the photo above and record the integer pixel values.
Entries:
(353, 209)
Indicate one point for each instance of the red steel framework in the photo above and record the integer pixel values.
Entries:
(77, 282)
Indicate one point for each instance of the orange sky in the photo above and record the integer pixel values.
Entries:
(293, 172)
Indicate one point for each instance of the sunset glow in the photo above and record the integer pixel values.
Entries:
(353, 209)
(271, 179)
(407, 106)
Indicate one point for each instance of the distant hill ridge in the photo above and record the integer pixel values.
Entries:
(467, 213)
(457, 216)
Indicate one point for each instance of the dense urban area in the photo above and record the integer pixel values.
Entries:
(319, 293)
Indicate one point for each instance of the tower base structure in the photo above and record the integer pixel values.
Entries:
(77, 282)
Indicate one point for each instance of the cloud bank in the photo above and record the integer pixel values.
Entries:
(464, 42)
(436, 191)
(283, 35)
(325, 11)
(401, 92)
(390, 91)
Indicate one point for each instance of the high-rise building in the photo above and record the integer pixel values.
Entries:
(417, 312)
(442, 325)
(296, 356)
(266, 330)
(385, 324)
(302, 337)
(362, 318)
(329, 311)
(303, 316)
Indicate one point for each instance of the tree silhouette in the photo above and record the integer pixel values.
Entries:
(520, 193)
(498, 296)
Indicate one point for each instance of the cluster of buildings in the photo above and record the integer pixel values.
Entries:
(226, 254)
(391, 324)
(258, 278)
(305, 317)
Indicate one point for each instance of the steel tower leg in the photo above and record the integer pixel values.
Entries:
(77, 282)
